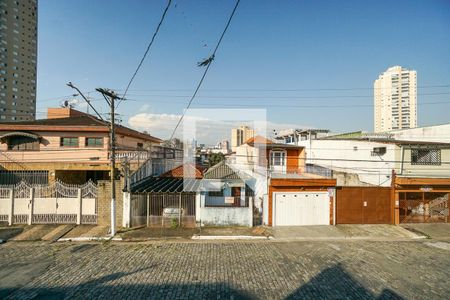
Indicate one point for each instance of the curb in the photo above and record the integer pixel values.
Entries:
(356, 238)
(89, 239)
(229, 237)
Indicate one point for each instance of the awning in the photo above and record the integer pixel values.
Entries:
(20, 133)
(166, 185)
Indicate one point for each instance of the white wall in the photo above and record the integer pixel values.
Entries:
(408, 169)
(340, 155)
(223, 216)
(437, 133)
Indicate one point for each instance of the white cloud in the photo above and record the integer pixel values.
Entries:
(208, 131)
(78, 104)
(144, 108)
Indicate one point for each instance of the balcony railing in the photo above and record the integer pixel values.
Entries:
(307, 171)
(318, 170)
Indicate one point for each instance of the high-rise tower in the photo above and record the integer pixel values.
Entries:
(18, 59)
(395, 99)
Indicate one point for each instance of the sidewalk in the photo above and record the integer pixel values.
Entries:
(84, 233)
(205, 233)
(342, 232)
(436, 230)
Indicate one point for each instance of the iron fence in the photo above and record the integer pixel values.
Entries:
(32, 177)
(163, 210)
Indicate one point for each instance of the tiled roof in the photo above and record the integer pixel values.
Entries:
(83, 122)
(258, 140)
(178, 172)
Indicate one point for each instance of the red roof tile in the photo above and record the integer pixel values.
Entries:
(178, 172)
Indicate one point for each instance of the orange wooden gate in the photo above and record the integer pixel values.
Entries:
(363, 205)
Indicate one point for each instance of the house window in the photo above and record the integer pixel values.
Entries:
(94, 142)
(23, 143)
(277, 158)
(69, 142)
(226, 197)
(169, 153)
(378, 151)
(426, 157)
(215, 193)
(140, 145)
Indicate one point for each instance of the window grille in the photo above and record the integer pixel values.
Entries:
(426, 157)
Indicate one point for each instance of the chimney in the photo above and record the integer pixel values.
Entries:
(63, 112)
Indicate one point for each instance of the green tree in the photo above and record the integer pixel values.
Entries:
(215, 158)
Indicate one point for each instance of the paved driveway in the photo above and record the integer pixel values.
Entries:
(229, 270)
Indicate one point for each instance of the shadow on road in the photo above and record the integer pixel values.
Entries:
(336, 283)
(332, 283)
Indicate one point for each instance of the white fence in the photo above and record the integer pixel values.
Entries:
(57, 203)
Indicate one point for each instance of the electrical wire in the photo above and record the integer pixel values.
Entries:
(146, 52)
(290, 90)
(276, 97)
(206, 69)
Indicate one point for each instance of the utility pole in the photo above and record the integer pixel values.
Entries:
(70, 84)
(110, 96)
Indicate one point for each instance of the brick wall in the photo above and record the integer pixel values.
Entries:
(104, 203)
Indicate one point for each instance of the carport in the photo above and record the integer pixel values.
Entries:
(163, 202)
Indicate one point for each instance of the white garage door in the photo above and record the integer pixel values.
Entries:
(302, 208)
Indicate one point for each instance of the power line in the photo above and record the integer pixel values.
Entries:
(275, 97)
(262, 105)
(289, 90)
(211, 58)
(146, 51)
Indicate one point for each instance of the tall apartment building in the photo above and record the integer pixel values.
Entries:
(18, 56)
(240, 135)
(395, 99)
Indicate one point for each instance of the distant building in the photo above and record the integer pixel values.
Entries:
(395, 99)
(223, 146)
(18, 55)
(293, 136)
(240, 135)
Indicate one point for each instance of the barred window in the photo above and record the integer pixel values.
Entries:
(426, 157)
(22, 143)
(94, 142)
(69, 142)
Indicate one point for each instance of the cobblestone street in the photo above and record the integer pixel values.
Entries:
(226, 270)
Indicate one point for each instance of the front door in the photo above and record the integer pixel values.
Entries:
(236, 193)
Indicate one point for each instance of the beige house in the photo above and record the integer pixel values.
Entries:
(69, 145)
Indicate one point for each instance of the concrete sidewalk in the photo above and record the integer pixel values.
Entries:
(342, 232)
(37, 232)
(207, 233)
(308, 233)
(431, 230)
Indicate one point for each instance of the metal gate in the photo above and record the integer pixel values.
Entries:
(301, 208)
(424, 207)
(363, 205)
(56, 203)
(163, 210)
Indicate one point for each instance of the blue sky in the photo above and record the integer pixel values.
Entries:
(313, 47)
